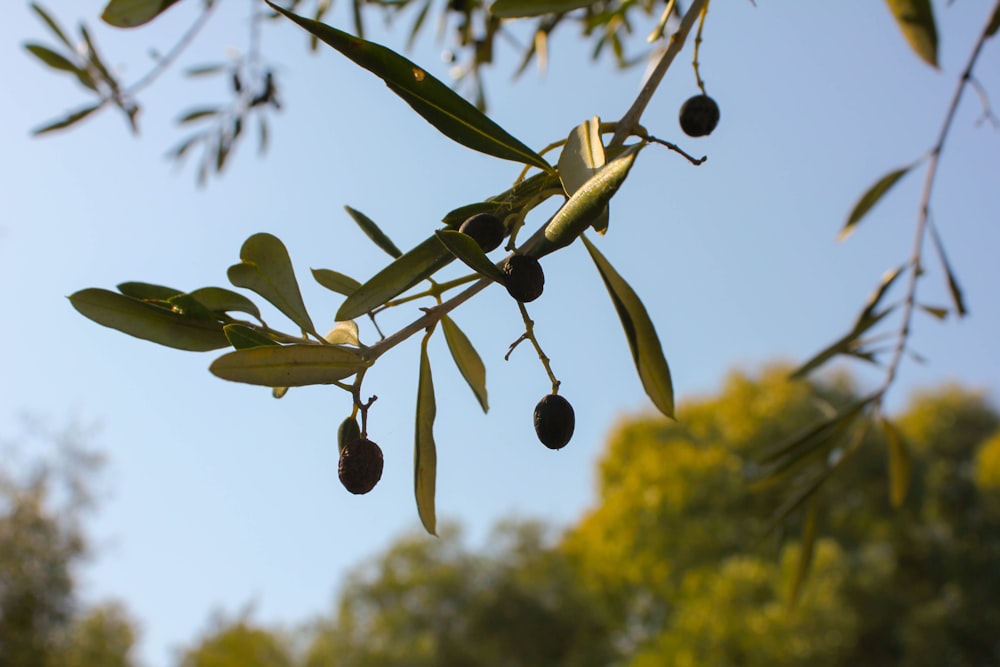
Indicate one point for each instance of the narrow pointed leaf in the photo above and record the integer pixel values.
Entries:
(840, 346)
(373, 232)
(52, 59)
(888, 278)
(290, 365)
(900, 464)
(149, 322)
(469, 363)
(53, 26)
(806, 549)
(442, 107)
(953, 288)
(132, 13)
(267, 270)
(521, 8)
(994, 24)
(870, 198)
(242, 337)
(937, 312)
(197, 114)
(916, 19)
(221, 300)
(581, 158)
(419, 263)
(425, 451)
(148, 291)
(336, 281)
(70, 120)
(647, 352)
(584, 206)
(466, 249)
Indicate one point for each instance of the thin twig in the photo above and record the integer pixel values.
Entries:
(163, 63)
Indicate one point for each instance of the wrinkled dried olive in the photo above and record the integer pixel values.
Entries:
(523, 278)
(360, 466)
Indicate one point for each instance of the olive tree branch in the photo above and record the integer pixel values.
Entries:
(164, 63)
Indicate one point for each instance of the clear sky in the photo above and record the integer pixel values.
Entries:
(217, 495)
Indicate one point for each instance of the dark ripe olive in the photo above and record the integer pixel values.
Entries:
(523, 278)
(699, 116)
(554, 421)
(486, 229)
(360, 466)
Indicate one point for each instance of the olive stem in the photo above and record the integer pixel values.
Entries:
(529, 334)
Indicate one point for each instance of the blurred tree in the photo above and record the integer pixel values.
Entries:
(42, 622)
(239, 643)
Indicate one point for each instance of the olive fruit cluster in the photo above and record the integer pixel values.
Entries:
(554, 421)
(360, 466)
(699, 116)
(485, 229)
(523, 278)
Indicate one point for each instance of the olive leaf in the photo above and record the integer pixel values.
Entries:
(870, 198)
(336, 281)
(267, 270)
(147, 291)
(647, 353)
(806, 549)
(900, 464)
(953, 288)
(916, 19)
(843, 345)
(425, 451)
(442, 107)
(52, 59)
(290, 365)
(242, 337)
(469, 363)
(132, 13)
(581, 158)
(466, 249)
(522, 8)
(373, 232)
(220, 300)
(155, 323)
(71, 119)
(344, 333)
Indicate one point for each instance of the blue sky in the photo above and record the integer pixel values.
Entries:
(217, 495)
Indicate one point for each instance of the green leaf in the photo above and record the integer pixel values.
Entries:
(870, 198)
(53, 26)
(267, 270)
(290, 365)
(335, 281)
(888, 278)
(197, 114)
(221, 300)
(148, 291)
(466, 249)
(132, 13)
(344, 333)
(842, 345)
(456, 217)
(149, 322)
(953, 288)
(642, 339)
(442, 107)
(206, 70)
(937, 312)
(994, 24)
(71, 119)
(521, 8)
(52, 59)
(470, 365)
(916, 19)
(412, 267)
(585, 206)
(242, 337)
(806, 549)
(347, 432)
(581, 159)
(373, 232)
(900, 465)
(425, 451)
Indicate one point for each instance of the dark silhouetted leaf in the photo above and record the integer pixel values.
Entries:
(994, 24)
(242, 337)
(132, 13)
(148, 321)
(521, 8)
(71, 119)
(935, 311)
(469, 363)
(870, 198)
(953, 288)
(916, 19)
(888, 278)
(425, 451)
(290, 365)
(640, 333)
(335, 281)
(442, 107)
(373, 232)
(267, 270)
(221, 300)
(466, 249)
(148, 291)
(840, 346)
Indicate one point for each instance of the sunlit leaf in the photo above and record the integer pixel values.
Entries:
(585, 205)
(870, 198)
(344, 333)
(412, 267)
(916, 19)
(242, 337)
(71, 119)
(469, 363)
(335, 281)
(132, 13)
(640, 333)
(806, 548)
(581, 158)
(442, 107)
(425, 451)
(900, 465)
(290, 365)
(466, 249)
(148, 291)
(267, 270)
(221, 300)
(373, 232)
(521, 8)
(149, 322)
(953, 288)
